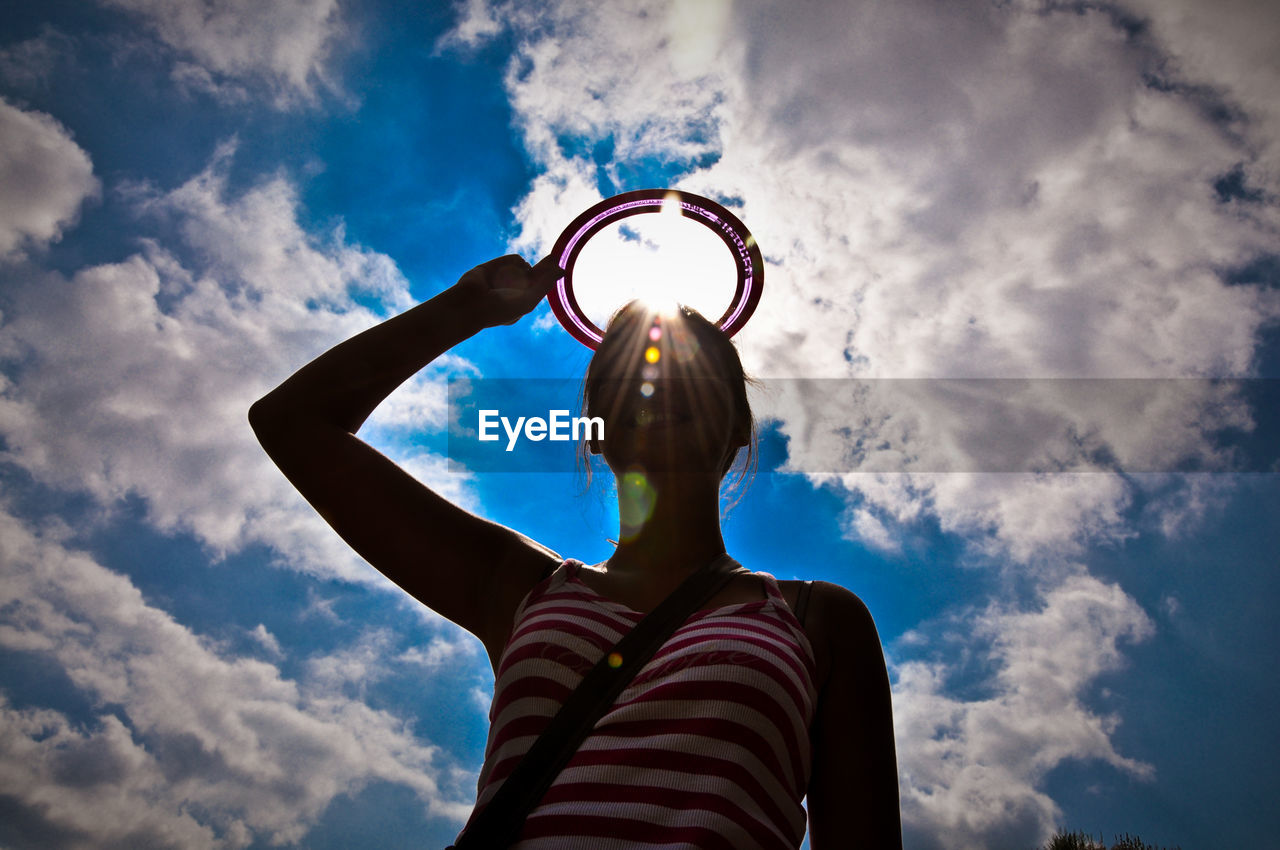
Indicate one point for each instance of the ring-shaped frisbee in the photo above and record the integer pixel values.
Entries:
(732, 232)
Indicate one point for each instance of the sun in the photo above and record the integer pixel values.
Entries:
(663, 259)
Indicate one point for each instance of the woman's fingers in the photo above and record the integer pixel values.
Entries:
(521, 286)
(543, 276)
(511, 286)
(548, 267)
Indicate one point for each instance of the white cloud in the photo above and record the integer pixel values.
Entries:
(1003, 425)
(475, 24)
(190, 747)
(633, 72)
(80, 788)
(433, 471)
(983, 193)
(135, 378)
(263, 637)
(29, 64)
(1181, 505)
(352, 669)
(863, 524)
(1231, 47)
(283, 45)
(440, 652)
(372, 659)
(46, 178)
(1010, 518)
(972, 769)
(481, 699)
(968, 190)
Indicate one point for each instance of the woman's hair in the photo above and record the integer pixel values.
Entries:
(690, 335)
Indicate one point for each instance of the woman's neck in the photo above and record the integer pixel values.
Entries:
(668, 525)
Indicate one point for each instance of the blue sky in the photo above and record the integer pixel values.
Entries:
(198, 197)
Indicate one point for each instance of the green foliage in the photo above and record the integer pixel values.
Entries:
(1074, 841)
(1133, 842)
(1084, 841)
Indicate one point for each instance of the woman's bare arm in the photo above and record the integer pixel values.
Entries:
(468, 569)
(853, 792)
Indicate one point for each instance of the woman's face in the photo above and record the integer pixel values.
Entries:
(668, 401)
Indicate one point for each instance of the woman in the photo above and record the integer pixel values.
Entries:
(741, 713)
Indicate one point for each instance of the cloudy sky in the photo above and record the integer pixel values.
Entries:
(1013, 251)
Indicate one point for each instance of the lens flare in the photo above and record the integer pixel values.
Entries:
(652, 354)
(646, 389)
(686, 349)
(636, 498)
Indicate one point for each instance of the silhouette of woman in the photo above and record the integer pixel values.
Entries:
(742, 712)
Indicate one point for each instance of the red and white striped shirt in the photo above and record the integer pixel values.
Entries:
(706, 749)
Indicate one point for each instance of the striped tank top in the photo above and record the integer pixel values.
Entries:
(707, 748)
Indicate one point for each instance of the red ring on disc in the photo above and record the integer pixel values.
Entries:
(726, 225)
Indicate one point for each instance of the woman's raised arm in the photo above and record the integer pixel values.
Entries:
(470, 570)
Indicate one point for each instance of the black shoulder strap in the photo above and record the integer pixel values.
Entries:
(499, 823)
(802, 601)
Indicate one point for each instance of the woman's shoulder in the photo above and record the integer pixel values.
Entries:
(824, 599)
(836, 621)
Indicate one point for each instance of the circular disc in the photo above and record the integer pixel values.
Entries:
(732, 232)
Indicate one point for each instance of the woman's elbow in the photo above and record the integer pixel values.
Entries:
(268, 418)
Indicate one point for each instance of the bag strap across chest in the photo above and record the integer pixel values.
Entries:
(499, 824)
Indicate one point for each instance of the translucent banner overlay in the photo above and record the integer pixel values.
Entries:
(897, 425)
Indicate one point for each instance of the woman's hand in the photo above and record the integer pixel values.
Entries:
(502, 291)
